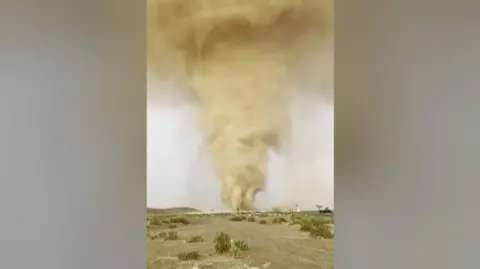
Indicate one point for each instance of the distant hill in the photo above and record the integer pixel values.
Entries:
(172, 210)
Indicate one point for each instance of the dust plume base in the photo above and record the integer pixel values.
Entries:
(242, 116)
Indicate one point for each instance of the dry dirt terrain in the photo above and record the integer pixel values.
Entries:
(270, 240)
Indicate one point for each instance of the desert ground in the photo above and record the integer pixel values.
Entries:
(185, 238)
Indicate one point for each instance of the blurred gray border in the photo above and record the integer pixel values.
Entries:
(407, 89)
(72, 139)
(72, 134)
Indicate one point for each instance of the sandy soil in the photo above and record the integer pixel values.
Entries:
(276, 246)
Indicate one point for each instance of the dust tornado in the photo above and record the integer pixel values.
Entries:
(235, 57)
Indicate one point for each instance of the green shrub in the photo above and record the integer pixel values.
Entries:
(155, 221)
(306, 227)
(172, 235)
(262, 221)
(296, 222)
(251, 219)
(317, 227)
(279, 220)
(195, 239)
(180, 220)
(172, 226)
(153, 236)
(238, 218)
(237, 248)
(322, 231)
(241, 245)
(222, 243)
(318, 222)
(189, 256)
(225, 245)
(234, 253)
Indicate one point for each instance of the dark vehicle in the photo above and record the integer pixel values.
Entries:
(325, 211)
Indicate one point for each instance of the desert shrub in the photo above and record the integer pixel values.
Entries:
(241, 245)
(238, 218)
(237, 248)
(189, 256)
(262, 221)
(195, 239)
(172, 226)
(306, 227)
(317, 222)
(279, 220)
(322, 232)
(180, 220)
(316, 227)
(155, 221)
(172, 235)
(251, 219)
(153, 236)
(306, 221)
(234, 252)
(296, 220)
(222, 243)
(225, 245)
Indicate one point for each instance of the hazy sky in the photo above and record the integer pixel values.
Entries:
(180, 173)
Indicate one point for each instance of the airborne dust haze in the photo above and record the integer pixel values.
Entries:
(240, 111)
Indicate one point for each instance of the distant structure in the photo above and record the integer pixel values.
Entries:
(324, 211)
(297, 209)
